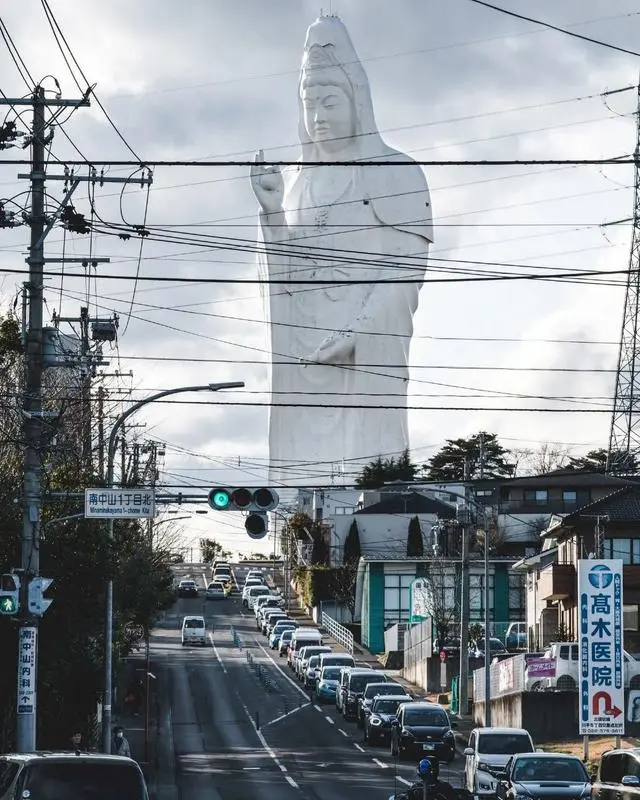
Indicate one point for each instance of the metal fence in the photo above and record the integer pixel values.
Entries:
(338, 631)
(507, 677)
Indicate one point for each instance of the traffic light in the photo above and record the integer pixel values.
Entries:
(255, 501)
(37, 603)
(9, 594)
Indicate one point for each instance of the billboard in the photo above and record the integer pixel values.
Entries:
(601, 658)
(419, 600)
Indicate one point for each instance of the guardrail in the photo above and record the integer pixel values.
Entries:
(338, 631)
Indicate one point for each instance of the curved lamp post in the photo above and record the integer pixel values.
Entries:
(108, 633)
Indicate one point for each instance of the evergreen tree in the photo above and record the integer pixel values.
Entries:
(415, 545)
(352, 550)
(480, 455)
(381, 471)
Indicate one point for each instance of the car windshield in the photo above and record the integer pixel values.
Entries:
(549, 769)
(503, 743)
(194, 623)
(287, 634)
(494, 644)
(358, 682)
(188, 584)
(386, 706)
(90, 781)
(313, 661)
(426, 716)
(215, 586)
(330, 673)
(256, 591)
(283, 624)
(389, 688)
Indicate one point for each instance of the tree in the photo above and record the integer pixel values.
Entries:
(548, 457)
(301, 528)
(352, 550)
(596, 461)
(443, 579)
(478, 456)
(381, 471)
(343, 584)
(415, 545)
(210, 550)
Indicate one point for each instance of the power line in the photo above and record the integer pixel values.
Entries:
(556, 28)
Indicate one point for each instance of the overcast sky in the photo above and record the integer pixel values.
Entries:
(450, 80)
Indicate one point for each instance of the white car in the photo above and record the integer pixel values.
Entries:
(194, 630)
(250, 595)
(268, 600)
(215, 591)
(487, 753)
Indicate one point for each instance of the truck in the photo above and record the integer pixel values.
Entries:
(557, 670)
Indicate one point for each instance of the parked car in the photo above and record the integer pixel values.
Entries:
(62, 775)
(187, 588)
(215, 591)
(353, 690)
(278, 629)
(542, 775)
(374, 690)
(285, 641)
(250, 594)
(302, 637)
(516, 638)
(495, 647)
(422, 729)
(266, 600)
(193, 630)
(563, 658)
(304, 655)
(487, 753)
(341, 691)
(311, 673)
(384, 709)
(618, 775)
(327, 684)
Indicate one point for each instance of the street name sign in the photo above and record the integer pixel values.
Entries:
(601, 656)
(121, 503)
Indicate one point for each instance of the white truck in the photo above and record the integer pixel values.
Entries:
(558, 669)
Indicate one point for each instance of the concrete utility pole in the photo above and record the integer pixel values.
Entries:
(463, 691)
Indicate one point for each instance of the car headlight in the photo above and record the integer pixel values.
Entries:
(483, 767)
(375, 721)
(407, 734)
(522, 796)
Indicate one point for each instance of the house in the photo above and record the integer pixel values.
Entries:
(608, 527)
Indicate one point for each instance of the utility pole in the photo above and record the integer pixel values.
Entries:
(487, 649)
(463, 515)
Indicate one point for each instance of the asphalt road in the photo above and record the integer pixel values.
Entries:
(236, 725)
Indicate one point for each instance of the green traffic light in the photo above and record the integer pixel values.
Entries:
(8, 605)
(220, 499)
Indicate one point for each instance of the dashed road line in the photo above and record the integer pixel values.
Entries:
(329, 720)
(317, 708)
(380, 763)
(358, 747)
(344, 733)
(284, 716)
(290, 780)
(403, 780)
(283, 673)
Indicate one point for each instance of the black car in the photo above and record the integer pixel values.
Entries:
(187, 588)
(373, 690)
(422, 729)
(618, 775)
(354, 689)
(377, 724)
(544, 775)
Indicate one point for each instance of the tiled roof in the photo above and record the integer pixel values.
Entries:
(622, 505)
(568, 478)
(410, 503)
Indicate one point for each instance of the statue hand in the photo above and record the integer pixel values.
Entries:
(267, 184)
(336, 348)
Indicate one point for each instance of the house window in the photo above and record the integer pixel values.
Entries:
(396, 598)
(630, 617)
(516, 597)
(484, 492)
(539, 496)
(476, 596)
(626, 549)
(569, 496)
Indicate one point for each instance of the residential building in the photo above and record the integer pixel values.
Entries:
(609, 527)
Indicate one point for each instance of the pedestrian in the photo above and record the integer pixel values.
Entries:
(120, 744)
(76, 741)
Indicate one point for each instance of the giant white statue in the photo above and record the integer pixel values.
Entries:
(340, 342)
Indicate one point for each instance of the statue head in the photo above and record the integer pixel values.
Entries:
(335, 108)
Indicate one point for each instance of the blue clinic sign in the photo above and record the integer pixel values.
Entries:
(601, 663)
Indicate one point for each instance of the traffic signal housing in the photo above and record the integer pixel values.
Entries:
(9, 594)
(37, 603)
(256, 502)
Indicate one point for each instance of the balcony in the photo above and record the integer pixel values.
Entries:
(557, 582)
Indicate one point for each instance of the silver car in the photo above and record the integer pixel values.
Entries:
(487, 753)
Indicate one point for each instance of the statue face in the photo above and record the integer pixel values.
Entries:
(328, 116)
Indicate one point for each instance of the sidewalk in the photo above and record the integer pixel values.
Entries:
(140, 726)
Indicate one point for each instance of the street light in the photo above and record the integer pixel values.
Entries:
(108, 632)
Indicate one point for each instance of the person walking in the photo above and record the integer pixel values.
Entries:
(120, 745)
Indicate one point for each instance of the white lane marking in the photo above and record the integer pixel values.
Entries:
(290, 780)
(235, 580)
(249, 769)
(357, 746)
(258, 733)
(283, 673)
(344, 733)
(204, 579)
(379, 763)
(282, 716)
(329, 720)
(403, 780)
(317, 708)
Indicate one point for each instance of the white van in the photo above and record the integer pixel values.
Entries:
(301, 638)
(250, 595)
(194, 631)
(335, 660)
